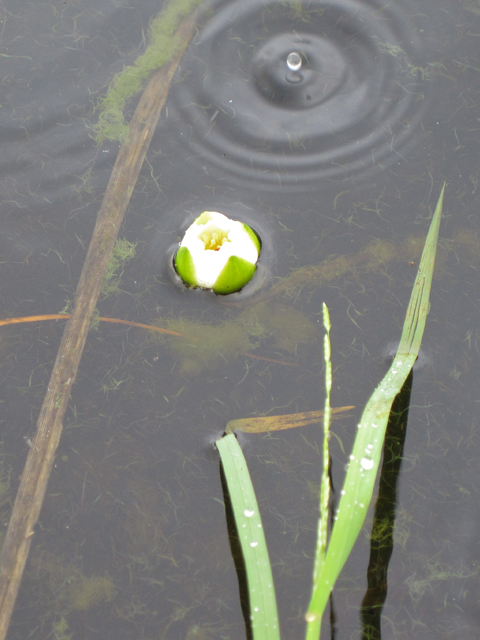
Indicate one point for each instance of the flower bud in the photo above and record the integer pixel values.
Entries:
(217, 253)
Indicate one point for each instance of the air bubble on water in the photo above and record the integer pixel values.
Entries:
(366, 463)
(294, 61)
(248, 512)
(253, 544)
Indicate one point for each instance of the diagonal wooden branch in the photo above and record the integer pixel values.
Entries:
(39, 462)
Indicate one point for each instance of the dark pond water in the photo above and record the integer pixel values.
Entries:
(339, 160)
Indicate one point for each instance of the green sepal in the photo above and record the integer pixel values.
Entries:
(185, 268)
(253, 237)
(235, 274)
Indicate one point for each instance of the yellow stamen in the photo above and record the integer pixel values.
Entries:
(213, 239)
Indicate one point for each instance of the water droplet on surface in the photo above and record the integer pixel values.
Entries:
(248, 513)
(253, 544)
(366, 463)
(301, 99)
(294, 61)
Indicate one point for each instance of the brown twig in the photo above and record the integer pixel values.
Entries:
(66, 316)
(39, 462)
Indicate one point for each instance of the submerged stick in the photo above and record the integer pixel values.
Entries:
(31, 492)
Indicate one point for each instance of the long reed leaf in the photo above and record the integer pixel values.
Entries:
(263, 606)
(366, 454)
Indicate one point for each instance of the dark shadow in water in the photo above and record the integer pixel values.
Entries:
(381, 542)
(237, 556)
(332, 510)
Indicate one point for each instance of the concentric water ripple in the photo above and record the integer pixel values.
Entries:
(285, 93)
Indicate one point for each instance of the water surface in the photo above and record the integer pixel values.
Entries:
(339, 158)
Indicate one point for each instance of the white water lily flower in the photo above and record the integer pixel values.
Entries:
(217, 253)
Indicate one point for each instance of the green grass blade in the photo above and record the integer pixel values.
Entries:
(263, 606)
(418, 308)
(367, 449)
(322, 533)
(325, 483)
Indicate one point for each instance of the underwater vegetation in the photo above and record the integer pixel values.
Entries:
(123, 252)
(208, 345)
(67, 589)
(164, 45)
